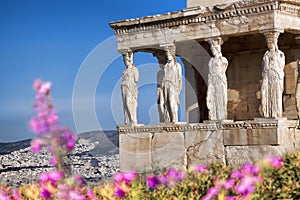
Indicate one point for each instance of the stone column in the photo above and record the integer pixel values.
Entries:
(216, 98)
(272, 77)
(129, 89)
(162, 60)
(191, 90)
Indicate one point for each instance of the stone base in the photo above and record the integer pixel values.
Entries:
(179, 146)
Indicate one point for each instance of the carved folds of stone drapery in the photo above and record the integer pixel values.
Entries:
(169, 84)
(217, 82)
(162, 60)
(272, 77)
(129, 89)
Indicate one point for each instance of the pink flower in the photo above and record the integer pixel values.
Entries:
(153, 182)
(119, 192)
(52, 119)
(212, 192)
(71, 144)
(35, 126)
(118, 178)
(128, 177)
(53, 160)
(79, 180)
(74, 195)
(37, 84)
(45, 193)
(16, 194)
(44, 88)
(199, 168)
(236, 174)
(175, 175)
(229, 184)
(91, 194)
(275, 162)
(53, 177)
(249, 168)
(36, 145)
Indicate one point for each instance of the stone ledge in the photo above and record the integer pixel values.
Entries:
(258, 123)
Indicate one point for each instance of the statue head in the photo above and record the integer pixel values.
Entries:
(170, 56)
(272, 39)
(128, 59)
(215, 45)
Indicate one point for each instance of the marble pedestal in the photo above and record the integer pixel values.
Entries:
(145, 148)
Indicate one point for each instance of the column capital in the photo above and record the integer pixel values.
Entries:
(215, 40)
(272, 30)
(125, 51)
(169, 47)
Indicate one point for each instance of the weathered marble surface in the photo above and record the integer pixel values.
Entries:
(168, 150)
(171, 85)
(129, 89)
(216, 97)
(272, 77)
(204, 147)
(135, 151)
(192, 3)
(183, 145)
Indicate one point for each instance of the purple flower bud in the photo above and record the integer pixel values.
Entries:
(231, 198)
(119, 192)
(153, 182)
(45, 193)
(37, 84)
(128, 177)
(249, 168)
(199, 168)
(275, 162)
(36, 145)
(236, 174)
(71, 145)
(212, 192)
(229, 184)
(4, 196)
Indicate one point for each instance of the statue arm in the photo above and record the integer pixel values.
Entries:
(265, 64)
(179, 71)
(136, 75)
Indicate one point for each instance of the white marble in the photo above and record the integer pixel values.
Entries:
(217, 82)
(272, 77)
(172, 85)
(129, 89)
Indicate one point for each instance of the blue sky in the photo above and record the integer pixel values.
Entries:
(56, 40)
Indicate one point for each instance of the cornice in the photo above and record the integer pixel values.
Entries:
(194, 15)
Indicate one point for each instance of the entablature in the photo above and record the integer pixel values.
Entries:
(199, 23)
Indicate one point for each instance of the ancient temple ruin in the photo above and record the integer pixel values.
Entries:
(241, 73)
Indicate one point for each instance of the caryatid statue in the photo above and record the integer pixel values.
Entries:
(162, 60)
(129, 89)
(172, 85)
(272, 77)
(217, 82)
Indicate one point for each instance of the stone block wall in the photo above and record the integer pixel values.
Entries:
(179, 146)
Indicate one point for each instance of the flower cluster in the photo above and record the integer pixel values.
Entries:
(7, 193)
(123, 183)
(169, 179)
(59, 139)
(242, 183)
(54, 186)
